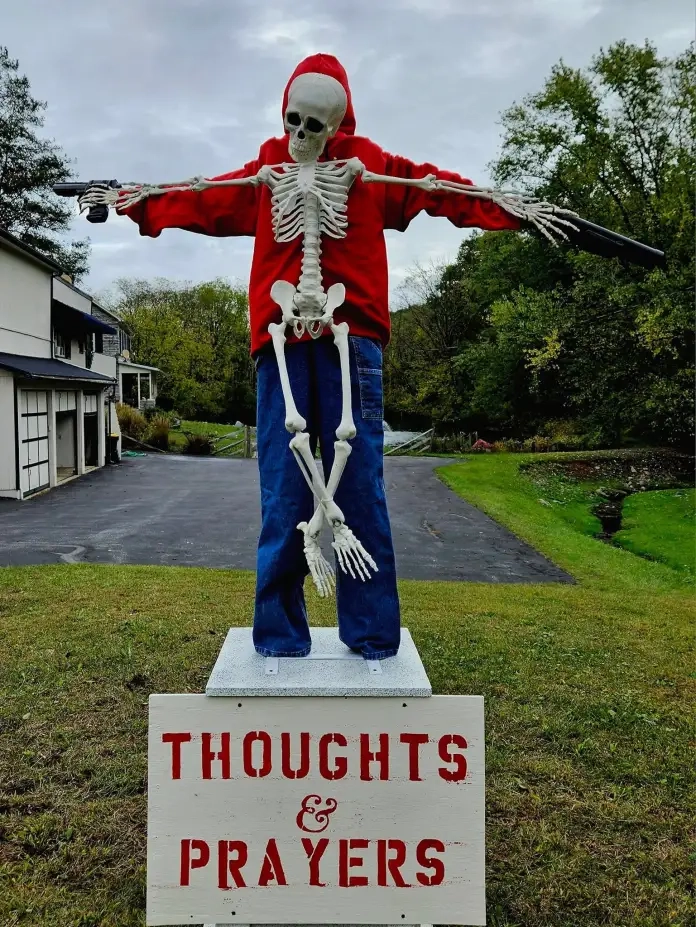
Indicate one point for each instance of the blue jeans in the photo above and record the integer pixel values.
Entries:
(368, 612)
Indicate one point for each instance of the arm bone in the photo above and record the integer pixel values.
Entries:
(131, 193)
(548, 219)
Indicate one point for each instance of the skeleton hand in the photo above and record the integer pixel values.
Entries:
(548, 219)
(263, 175)
(319, 567)
(98, 194)
(355, 167)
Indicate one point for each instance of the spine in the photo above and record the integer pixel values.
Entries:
(310, 294)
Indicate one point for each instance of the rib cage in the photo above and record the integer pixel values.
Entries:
(311, 200)
(319, 187)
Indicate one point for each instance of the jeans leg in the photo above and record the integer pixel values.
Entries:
(280, 615)
(368, 612)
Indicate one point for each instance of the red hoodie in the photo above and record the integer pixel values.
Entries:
(359, 260)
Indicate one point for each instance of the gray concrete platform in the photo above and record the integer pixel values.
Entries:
(189, 511)
(331, 669)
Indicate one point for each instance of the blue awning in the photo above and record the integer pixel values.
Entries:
(47, 368)
(76, 320)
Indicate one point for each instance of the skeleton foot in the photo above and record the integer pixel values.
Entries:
(319, 567)
(351, 554)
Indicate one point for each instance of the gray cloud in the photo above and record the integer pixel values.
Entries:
(160, 90)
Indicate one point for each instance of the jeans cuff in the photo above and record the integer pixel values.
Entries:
(380, 654)
(377, 655)
(265, 652)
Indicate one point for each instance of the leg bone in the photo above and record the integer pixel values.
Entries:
(320, 569)
(303, 454)
(342, 451)
(294, 422)
(352, 556)
(346, 428)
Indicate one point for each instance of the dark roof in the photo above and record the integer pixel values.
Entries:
(76, 319)
(47, 368)
(17, 245)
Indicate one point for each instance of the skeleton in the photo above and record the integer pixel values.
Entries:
(310, 199)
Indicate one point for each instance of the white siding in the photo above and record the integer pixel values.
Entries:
(67, 295)
(8, 460)
(25, 306)
(101, 363)
(77, 358)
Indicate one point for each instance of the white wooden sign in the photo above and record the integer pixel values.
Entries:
(315, 810)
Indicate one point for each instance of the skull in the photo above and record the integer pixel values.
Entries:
(316, 106)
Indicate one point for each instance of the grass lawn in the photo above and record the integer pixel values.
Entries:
(661, 525)
(177, 437)
(589, 702)
(526, 493)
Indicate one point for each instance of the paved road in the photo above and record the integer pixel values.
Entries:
(205, 512)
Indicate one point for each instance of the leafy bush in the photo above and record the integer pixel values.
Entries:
(481, 447)
(153, 412)
(200, 445)
(539, 444)
(131, 422)
(159, 432)
(453, 444)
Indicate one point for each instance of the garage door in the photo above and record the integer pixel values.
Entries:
(33, 440)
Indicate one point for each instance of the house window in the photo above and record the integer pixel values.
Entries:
(61, 344)
(129, 389)
(124, 341)
(98, 343)
(144, 386)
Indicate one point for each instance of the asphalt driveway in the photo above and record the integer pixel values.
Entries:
(189, 511)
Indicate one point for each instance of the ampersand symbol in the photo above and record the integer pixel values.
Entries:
(314, 814)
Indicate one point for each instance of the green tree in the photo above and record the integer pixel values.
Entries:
(198, 335)
(29, 165)
(563, 334)
(615, 143)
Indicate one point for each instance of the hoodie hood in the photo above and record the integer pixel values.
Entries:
(332, 67)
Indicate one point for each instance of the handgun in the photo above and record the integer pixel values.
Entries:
(98, 213)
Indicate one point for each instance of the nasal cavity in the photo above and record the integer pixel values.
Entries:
(300, 134)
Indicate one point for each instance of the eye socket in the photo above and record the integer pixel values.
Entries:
(293, 119)
(313, 125)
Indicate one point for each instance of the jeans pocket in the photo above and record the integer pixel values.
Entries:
(368, 363)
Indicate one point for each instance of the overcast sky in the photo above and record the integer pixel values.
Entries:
(160, 90)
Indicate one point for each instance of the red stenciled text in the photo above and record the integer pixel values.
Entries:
(353, 862)
(331, 756)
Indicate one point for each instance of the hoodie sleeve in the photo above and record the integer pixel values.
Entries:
(403, 203)
(220, 212)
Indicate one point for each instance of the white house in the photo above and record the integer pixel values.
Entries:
(57, 386)
(136, 383)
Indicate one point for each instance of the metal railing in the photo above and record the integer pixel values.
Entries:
(416, 445)
(243, 446)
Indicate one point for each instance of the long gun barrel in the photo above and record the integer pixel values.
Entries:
(77, 188)
(598, 240)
